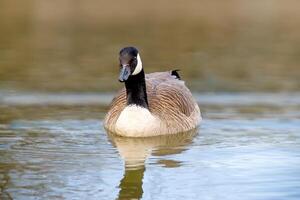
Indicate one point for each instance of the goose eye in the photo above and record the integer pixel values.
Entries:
(133, 60)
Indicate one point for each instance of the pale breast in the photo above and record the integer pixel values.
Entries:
(135, 121)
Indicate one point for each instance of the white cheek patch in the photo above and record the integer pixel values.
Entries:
(139, 66)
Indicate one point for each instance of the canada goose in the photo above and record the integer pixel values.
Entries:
(153, 104)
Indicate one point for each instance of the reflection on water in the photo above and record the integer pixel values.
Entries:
(131, 184)
(135, 151)
(160, 145)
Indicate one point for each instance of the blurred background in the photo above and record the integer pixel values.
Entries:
(72, 46)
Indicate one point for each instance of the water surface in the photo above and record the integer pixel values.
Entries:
(244, 149)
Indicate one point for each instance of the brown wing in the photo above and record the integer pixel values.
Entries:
(115, 109)
(171, 101)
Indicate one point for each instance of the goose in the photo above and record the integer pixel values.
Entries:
(152, 104)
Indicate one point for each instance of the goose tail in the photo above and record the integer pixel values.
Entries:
(176, 74)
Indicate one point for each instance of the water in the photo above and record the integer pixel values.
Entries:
(248, 147)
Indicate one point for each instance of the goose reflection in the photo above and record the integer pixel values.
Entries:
(134, 152)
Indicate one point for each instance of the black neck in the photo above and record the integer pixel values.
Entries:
(136, 90)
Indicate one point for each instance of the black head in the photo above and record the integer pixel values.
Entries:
(130, 63)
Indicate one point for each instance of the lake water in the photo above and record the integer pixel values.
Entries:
(248, 147)
(58, 73)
